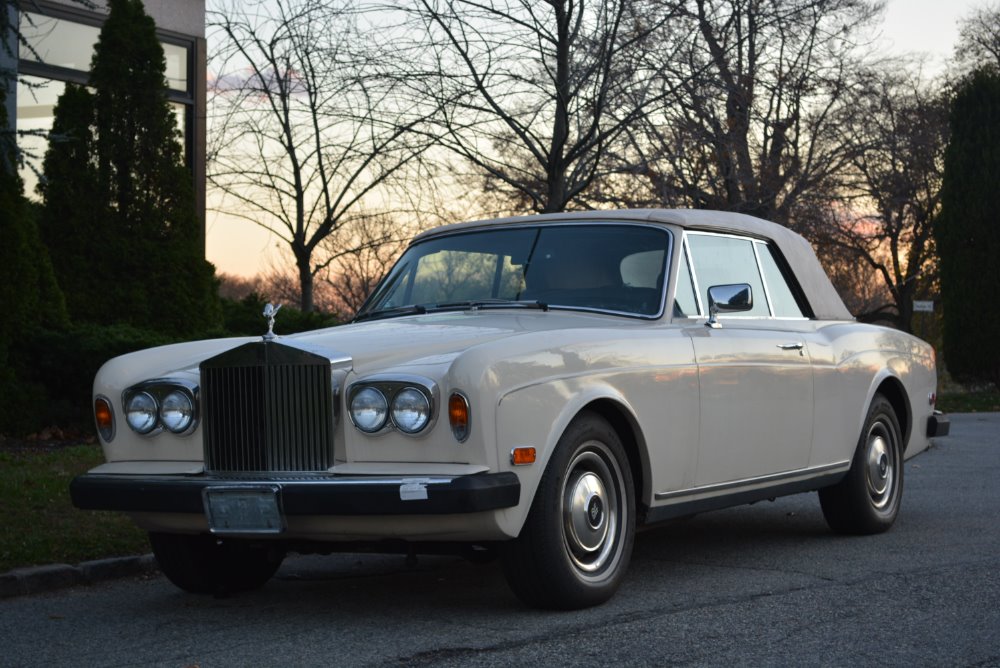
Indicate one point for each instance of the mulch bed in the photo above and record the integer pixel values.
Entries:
(46, 440)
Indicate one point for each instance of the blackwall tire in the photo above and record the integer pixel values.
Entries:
(205, 565)
(575, 546)
(867, 500)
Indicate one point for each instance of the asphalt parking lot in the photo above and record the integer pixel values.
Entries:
(766, 584)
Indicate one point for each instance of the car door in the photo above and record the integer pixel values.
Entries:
(756, 380)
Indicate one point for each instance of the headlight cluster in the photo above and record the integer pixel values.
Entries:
(155, 405)
(378, 405)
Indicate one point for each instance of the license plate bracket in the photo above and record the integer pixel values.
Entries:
(244, 510)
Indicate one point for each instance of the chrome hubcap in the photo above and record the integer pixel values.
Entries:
(881, 466)
(588, 526)
(591, 510)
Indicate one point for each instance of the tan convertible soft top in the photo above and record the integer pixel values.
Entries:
(823, 298)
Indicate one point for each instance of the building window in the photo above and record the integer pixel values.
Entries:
(57, 42)
(59, 50)
(36, 99)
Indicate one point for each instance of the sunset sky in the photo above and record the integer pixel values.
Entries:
(910, 26)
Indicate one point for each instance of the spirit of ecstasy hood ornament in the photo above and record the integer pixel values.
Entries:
(270, 311)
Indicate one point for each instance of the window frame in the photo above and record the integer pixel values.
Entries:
(186, 98)
(37, 68)
(540, 227)
(755, 242)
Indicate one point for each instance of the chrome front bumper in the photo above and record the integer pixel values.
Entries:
(322, 495)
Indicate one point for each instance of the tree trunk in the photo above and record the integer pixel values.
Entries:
(303, 264)
(556, 201)
(905, 306)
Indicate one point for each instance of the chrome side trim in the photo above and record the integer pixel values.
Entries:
(694, 277)
(763, 279)
(816, 471)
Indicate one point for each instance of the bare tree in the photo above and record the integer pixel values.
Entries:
(897, 136)
(533, 92)
(276, 284)
(235, 288)
(859, 285)
(754, 126)
(979, 39)
(378, 241)
(306, 127)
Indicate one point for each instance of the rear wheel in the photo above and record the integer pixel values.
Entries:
(207, 565)
(867, 500)
(575, 546)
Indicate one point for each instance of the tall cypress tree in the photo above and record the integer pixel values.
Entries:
(141, 233)
(28, 290)
(73, 222)
(968, 231)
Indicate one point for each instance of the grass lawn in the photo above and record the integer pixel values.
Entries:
(39, 525)
(969, 402)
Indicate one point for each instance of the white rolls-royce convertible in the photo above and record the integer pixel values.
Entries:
(533, 388)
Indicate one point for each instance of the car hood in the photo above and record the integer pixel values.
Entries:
(439, 337)
(418, 340)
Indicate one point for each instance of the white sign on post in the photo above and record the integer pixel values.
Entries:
(923, 306)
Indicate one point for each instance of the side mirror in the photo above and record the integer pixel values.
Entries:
(727, 299)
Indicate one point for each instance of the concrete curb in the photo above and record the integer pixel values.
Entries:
(38, 579)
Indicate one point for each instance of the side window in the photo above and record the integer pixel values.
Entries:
(685, 302)
(782, 298)
(721, 260)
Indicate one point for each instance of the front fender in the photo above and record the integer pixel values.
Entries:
(537, 416)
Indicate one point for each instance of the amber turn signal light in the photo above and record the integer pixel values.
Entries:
(105, 419)
(521, 456)
(458, 416)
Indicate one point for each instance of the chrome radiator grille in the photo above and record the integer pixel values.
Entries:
(267, 407)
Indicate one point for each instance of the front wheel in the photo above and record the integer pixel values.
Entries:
(575, 546)
(206, 565)
(867, 500)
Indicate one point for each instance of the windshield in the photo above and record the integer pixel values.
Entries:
(617, 268)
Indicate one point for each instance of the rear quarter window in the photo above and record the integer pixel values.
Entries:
(782, 296)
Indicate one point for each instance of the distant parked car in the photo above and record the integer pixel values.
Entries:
(534, 387)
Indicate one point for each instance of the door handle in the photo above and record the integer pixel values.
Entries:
(790, 346)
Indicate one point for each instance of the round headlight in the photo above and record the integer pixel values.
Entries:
(369, 410)
(411, 411)
(177, 411)
(140, 412)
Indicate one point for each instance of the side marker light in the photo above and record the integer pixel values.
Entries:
(522, 456)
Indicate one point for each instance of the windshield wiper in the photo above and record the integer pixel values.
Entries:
(471, 304)
(414, 309)
(480, 304)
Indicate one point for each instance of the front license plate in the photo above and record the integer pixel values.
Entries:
(243, 510)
